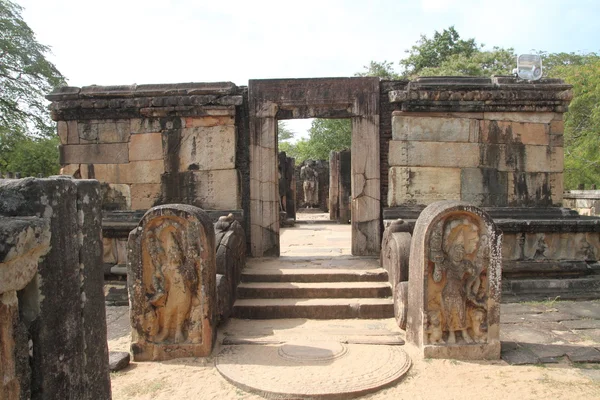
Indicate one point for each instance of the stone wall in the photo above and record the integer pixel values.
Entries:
(586, 202)
(487, 142)
(154, 144)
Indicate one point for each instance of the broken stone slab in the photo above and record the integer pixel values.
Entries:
(118, 360)
(23, 240)
(584, 355)
(513, 354)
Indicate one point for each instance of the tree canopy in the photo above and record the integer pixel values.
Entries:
(27, 134)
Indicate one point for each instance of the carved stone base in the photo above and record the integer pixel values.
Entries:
(483, 351)
(162, 352)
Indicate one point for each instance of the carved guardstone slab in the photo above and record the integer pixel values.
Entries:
(455, 283)
(172, 289)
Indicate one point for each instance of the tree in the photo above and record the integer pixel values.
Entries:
(384, 70)
(29, 155)
(26, 76)
(431, 53)
(582, 121)
(498, 61)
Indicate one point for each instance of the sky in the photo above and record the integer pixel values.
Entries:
(110, 42)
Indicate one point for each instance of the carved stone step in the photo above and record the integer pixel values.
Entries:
(313, 290)
(565, 289)
(313, 308)
(314, 275)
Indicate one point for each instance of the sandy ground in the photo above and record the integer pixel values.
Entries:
(427, 378)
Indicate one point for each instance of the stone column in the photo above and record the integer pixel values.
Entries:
(345, 187)
(62, 307)
(334, 182)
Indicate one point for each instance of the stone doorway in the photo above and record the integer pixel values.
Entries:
(354, 98)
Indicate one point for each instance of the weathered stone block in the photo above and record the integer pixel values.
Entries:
(63, 132)
(534, 189)
(557, 127)
(144, 195)
(100, 153)
(133, 172)
(217, 190)
(115, 196)
(433, 154)
(209, 121)
(148, 146)
(145, 125)
(422, 185)
(109, 251)
(424, 128)
(535, 117)
(511, 132)
(172, 288)
(64, 313)
(484, 187)
(207, 148)
(520, 157)
(455, 283)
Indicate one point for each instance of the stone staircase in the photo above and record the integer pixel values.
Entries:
(315, 288)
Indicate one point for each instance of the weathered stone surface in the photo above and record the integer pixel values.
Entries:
(96, 378)
(145, 125)
(209, 121)
(144, 195)
(172, 288)
(115, 196)
(433, 154)
(535, 117)
(423, 185)
(426, 128)
(118, 360)
(231, 259)
(218, 190)
(455, 283)
(22, 242)
(484, 187)
(104, 131)
(524, 158)
(63, 306)
(534, 189)
(133, 172)
(207, 148)
(63, 132)
(100, 153)
(148, 146)
(520, 132)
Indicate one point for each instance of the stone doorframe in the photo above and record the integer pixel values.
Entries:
(273, 99)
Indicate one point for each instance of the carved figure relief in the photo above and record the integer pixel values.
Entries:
(171, 279)
(310, 183)
(459, 253)
(586, 251)
(541, 248)
(174, 281)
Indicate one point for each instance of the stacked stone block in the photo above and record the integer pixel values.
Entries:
(487, 159)
(153, 144)
(492, 143)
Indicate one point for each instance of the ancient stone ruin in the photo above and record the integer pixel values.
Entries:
(52, 315)
(171, 279)
(454, 283)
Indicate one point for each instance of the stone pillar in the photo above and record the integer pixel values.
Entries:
(171, 278)
(290, 190)
(334, 185)
(62, 306)
(455, 283)
(345, 193)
